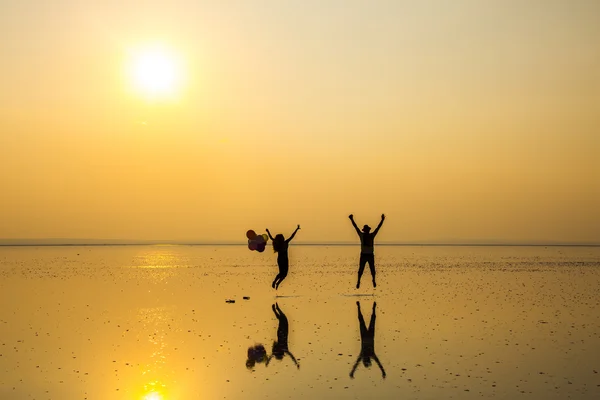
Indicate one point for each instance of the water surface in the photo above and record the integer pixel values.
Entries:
(152, 322)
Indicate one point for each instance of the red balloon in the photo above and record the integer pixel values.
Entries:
(250, 234)
(252, 246)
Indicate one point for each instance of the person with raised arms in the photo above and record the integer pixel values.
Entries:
(367, 342)
(280, 246)
(367, 254)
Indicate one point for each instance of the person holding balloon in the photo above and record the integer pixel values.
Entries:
(280, 246)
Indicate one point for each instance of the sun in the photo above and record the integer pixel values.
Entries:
(156, 72)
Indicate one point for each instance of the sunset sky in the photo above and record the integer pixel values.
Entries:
(460, 120)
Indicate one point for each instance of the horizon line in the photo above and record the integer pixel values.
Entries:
(117, 242)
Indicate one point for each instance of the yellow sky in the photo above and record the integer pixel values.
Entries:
(460, 120)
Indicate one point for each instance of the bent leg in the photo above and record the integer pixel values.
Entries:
(275, 280)
(281, 278)
(283, 270)
(283, 264)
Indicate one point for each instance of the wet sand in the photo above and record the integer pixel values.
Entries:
(152, 322)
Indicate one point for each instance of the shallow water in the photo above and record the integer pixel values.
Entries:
(152, 322)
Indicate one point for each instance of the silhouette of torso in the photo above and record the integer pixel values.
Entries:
(366, 243)
(282, 253)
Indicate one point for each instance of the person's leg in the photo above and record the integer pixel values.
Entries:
(372, 322)
(361, 268)
(283, 271)
(281, 278)
(361, 322)
(371, 261)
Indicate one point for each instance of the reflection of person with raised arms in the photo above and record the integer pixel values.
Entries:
(367, 245)
(280, 246)
(280, 347)
(367, 342)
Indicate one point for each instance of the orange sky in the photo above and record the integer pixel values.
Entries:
(460, 120)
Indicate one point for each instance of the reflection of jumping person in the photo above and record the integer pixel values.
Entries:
(367, 254)
(280, 347)
(280, 246)
(367, 342)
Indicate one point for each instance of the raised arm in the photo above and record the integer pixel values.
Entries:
(270, 237)
(380, 366)
(293, 358)
(351, 216)
(355, 366)
(293, 234)
(379, 226)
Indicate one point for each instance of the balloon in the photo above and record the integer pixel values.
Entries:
(257, 242)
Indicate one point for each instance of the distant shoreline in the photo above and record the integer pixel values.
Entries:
(302, 244)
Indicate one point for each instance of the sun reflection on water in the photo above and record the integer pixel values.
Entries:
(153, 396)
(155, 321)
(154, 391)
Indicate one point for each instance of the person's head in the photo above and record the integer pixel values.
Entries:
(366, 229)
(366, 361)
(278, 242)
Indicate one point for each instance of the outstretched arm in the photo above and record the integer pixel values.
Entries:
(293, 234)
(293, 358)
(351, 216)
(270, 237)
(355, 366)
(379, 226)
(380, 366)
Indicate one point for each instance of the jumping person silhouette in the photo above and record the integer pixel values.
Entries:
(280, 246)
(366, 248)
(367, 342)
(280, 347)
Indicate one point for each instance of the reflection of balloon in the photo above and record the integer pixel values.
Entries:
(250, 234)
(265, 236)
(256, 354)
(252, 245)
